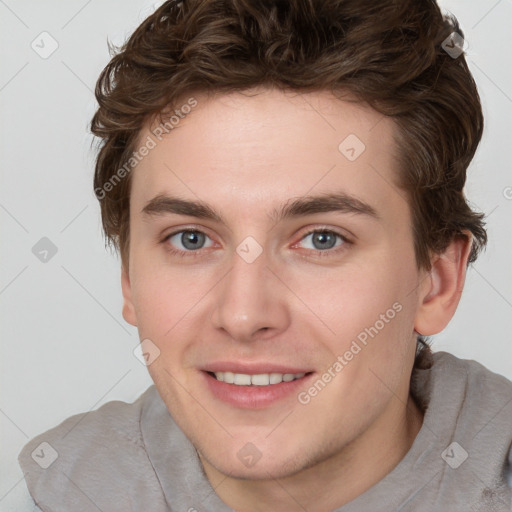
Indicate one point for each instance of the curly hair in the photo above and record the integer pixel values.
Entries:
(390, 55)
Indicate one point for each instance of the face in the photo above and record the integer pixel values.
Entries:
(272, 268)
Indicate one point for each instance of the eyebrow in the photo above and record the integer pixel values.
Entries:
(308, 205)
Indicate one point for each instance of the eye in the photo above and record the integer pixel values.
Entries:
(323, 240)
(188, 240)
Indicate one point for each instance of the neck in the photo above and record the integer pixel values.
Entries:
(334, 481)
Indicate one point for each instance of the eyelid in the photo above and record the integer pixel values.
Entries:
(309, 231)
(181, 229)
(184, 253)
(330, 252)
(325, 229)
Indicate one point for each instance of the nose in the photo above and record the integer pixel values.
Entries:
(250, 302)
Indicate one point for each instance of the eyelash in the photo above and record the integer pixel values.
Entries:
(318, 253)
(177, 252)
(328, 252)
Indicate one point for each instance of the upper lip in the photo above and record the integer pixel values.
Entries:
(252, 368)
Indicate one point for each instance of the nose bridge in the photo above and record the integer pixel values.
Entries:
(248, 301)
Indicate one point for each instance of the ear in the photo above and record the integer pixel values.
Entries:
(128, 308)
(442, 287)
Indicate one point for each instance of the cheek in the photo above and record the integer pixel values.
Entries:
(160, 299)
(355, 297)
(370, 314)
(151, 299)
(170, 308)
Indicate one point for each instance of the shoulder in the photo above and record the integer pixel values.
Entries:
(93, 455)
(89, 433)
(19, 500)
(468, 427)
(478, 380)
(471, 403)
(466, 400)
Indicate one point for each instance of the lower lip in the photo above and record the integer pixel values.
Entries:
(254, 397)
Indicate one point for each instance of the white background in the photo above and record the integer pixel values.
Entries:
(65, 347)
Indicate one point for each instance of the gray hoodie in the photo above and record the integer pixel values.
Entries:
(133, 457)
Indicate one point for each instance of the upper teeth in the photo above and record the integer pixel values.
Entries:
(262, 379)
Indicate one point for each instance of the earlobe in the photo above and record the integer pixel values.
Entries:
(128, 308)
(443, 286)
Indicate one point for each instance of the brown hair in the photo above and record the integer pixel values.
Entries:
(388, 54)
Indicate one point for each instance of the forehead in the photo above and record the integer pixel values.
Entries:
(251, 150)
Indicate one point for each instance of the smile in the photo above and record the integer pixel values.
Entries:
(254, 390)
(260, 379)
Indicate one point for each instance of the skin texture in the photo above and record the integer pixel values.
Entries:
(246, 155)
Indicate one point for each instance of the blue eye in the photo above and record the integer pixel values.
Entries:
(322, 240)
(190, 240)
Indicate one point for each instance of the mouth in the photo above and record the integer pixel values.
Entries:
(255, 390)
(259, 379)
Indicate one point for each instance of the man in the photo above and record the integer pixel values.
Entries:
(284, 183)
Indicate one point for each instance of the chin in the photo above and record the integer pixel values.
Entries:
(249, 464)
